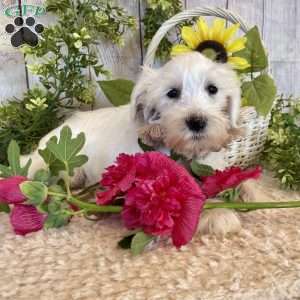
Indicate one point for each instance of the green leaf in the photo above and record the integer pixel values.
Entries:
(14, 168)
(117, 91)
(4, 208)
(24, 170)
(42, 176)
(43, 207)
(175, 156)
(13, 156)
(201, 169)
(5, 171)
(139, 242)
(230, 195)
(254, 52)
(54, 164)
(144, 147)
(58, 190)
(260, 93)
(66, 150)
(56, 220)
(125, 242)
(36, 192)
(54, 207)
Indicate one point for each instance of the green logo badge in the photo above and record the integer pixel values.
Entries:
(26, 10)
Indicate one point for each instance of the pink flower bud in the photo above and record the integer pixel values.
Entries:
(26, 219)
(10, 192)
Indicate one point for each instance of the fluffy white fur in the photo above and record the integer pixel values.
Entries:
(111, 131)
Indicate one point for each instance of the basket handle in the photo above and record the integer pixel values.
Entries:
(186, 15)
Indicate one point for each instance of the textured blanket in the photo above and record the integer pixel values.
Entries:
(81, 261)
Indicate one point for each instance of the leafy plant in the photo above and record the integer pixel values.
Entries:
(260, 90)
(282, 149)
(156, 14)
(254, 52)
(260, 93)
(64, 61)
(14, 168)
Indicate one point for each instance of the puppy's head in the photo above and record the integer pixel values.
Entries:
(195, 100)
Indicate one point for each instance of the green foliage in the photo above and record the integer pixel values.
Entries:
(36, 192)
(79, 27)
(136, 242)
(125, 242)
(282, 149)
(56, 218)
(175, 156)
(260, 93)
(50, 193)
(201, 169)
(230, 195)
(14, 168)
(117, 91)
(254, 52)
(4, 208)
(144, 147)
(42, 176)
(24, 125)
(65, 60)
(157, 12)
(139, 242)
(66, 150)
(50, 159)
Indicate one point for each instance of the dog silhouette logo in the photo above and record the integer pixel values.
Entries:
(24, 31)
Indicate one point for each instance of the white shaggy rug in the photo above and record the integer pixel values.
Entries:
(81, 261)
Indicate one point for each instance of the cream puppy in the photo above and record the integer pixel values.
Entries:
(195, 100)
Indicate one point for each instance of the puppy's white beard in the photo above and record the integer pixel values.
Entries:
(214, 138)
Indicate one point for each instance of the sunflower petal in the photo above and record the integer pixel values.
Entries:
(236, 45)
(238, 63)
(179, 49)
(190, 37)
(217, 30)
(203, 28)
(230, 32)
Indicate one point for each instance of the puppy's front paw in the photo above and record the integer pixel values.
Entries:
(219, 221)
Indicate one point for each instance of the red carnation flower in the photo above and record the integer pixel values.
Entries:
(162, 197)
(10, 192)
(26, 219)
(117, 178)
(229, 178)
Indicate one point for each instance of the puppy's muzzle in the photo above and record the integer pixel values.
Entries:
(196, 124)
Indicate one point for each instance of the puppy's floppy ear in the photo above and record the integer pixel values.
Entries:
(139, 93)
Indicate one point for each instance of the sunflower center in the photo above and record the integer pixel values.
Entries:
(213, 50)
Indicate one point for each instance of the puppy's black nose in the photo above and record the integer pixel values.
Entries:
(196, 123)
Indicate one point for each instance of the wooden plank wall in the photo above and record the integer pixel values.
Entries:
(277, 19)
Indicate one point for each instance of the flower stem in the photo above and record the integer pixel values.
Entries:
(252, 205)
(89, 189)
(95, 208)
(242, 206)
(88, 207)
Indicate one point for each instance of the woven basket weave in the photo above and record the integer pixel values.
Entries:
(244, 151)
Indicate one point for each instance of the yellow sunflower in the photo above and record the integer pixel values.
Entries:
(216, 42)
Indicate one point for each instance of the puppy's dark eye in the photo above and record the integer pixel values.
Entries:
(212, 89)
(173, 93)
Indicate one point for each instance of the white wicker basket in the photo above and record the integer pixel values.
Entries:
(244, 151)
